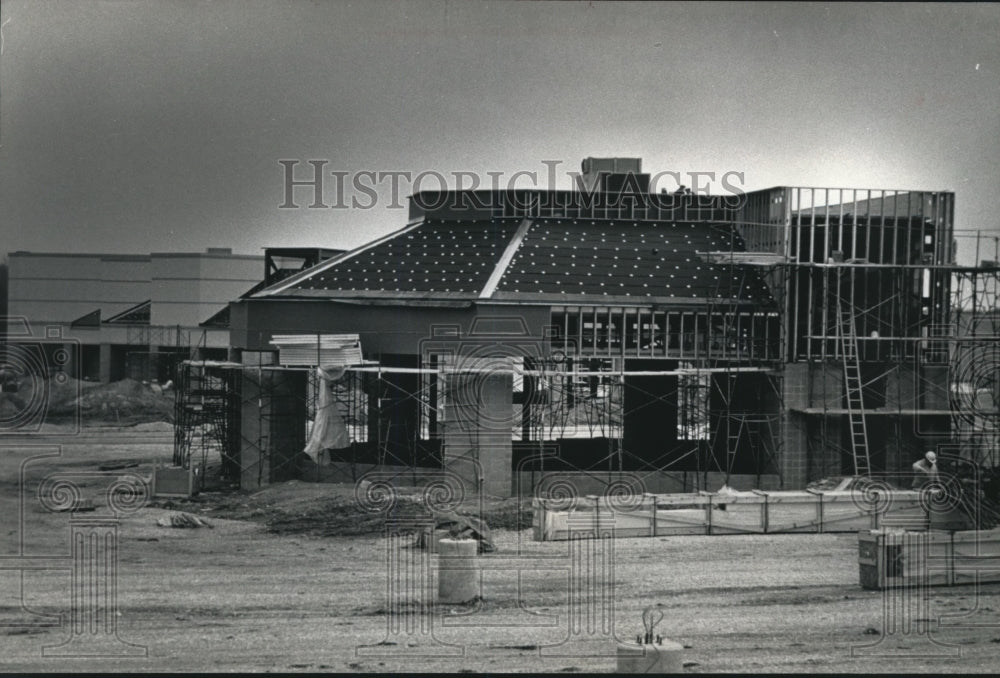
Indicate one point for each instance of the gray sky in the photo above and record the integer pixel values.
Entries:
(158, 125)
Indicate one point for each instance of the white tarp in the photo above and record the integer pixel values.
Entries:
(328, 431)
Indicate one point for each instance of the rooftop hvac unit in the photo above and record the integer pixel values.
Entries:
(318, 349)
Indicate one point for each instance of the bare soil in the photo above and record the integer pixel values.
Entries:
(294, 578)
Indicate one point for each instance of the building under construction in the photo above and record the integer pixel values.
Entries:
(762, 340)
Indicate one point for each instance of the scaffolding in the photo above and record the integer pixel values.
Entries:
(889, 322)
(246, 425)
(975, 362)
(206, 418)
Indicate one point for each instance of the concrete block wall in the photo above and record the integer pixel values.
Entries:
(826, 447)
(901, 388)
(934, 391)
(793, 463)
(827, 390)
(826, 384)
(255, 471)
(793, 460)
(272, 426)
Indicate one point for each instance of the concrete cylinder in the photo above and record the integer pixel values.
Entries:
(458, 570)
(664, 658)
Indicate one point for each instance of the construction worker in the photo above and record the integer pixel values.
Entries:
(925, 470)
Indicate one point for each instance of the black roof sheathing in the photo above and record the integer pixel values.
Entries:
(639, 259)
(559, 260)
(438, 256)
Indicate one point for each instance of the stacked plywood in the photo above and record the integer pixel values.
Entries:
(317, 349)
(753, 512)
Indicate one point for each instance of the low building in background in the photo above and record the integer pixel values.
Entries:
(136, 315)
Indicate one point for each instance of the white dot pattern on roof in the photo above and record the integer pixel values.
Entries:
(556, 257)
(437, 256)
(629, 257)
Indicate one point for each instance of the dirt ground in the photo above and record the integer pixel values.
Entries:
(275, 584)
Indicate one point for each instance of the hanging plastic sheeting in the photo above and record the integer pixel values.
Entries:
(328, 430)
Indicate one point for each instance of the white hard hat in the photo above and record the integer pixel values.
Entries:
(930, 456)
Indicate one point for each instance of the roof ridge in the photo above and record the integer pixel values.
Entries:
(506, 258)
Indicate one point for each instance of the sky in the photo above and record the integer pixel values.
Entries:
(158, 125)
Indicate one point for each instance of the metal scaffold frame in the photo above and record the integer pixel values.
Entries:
(975, 362)
(883, 264)
(205, 403)
(212, 416)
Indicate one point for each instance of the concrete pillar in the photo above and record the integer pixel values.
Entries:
(458, 570)
(272, 426)
(458, 434)
(476, 426)
(934, 384)
(826, 389)
(286, 422)
(495, 447)
(796, 385)
(254, 471)
(901, 388)
(793, 460)
(826, 384)
(104, 371)
(793, 464)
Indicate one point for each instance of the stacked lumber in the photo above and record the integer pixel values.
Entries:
(754, 512)
(317, 349)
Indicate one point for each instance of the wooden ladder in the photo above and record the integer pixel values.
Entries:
(853, 384)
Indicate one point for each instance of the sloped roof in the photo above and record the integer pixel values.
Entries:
(220, 319)
(439, 258)
(91, 319)
(136, 315)
(537, 260)
(632, 259)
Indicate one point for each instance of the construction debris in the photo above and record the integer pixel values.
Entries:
(833, 484)
(455, 525)
(118, 465)
(81, 506)
(183, 520)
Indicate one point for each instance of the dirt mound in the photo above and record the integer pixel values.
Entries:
(64, 389)
(24, 395)
(332, 510)
(340, 516)
(343, 516)
(125, 401)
